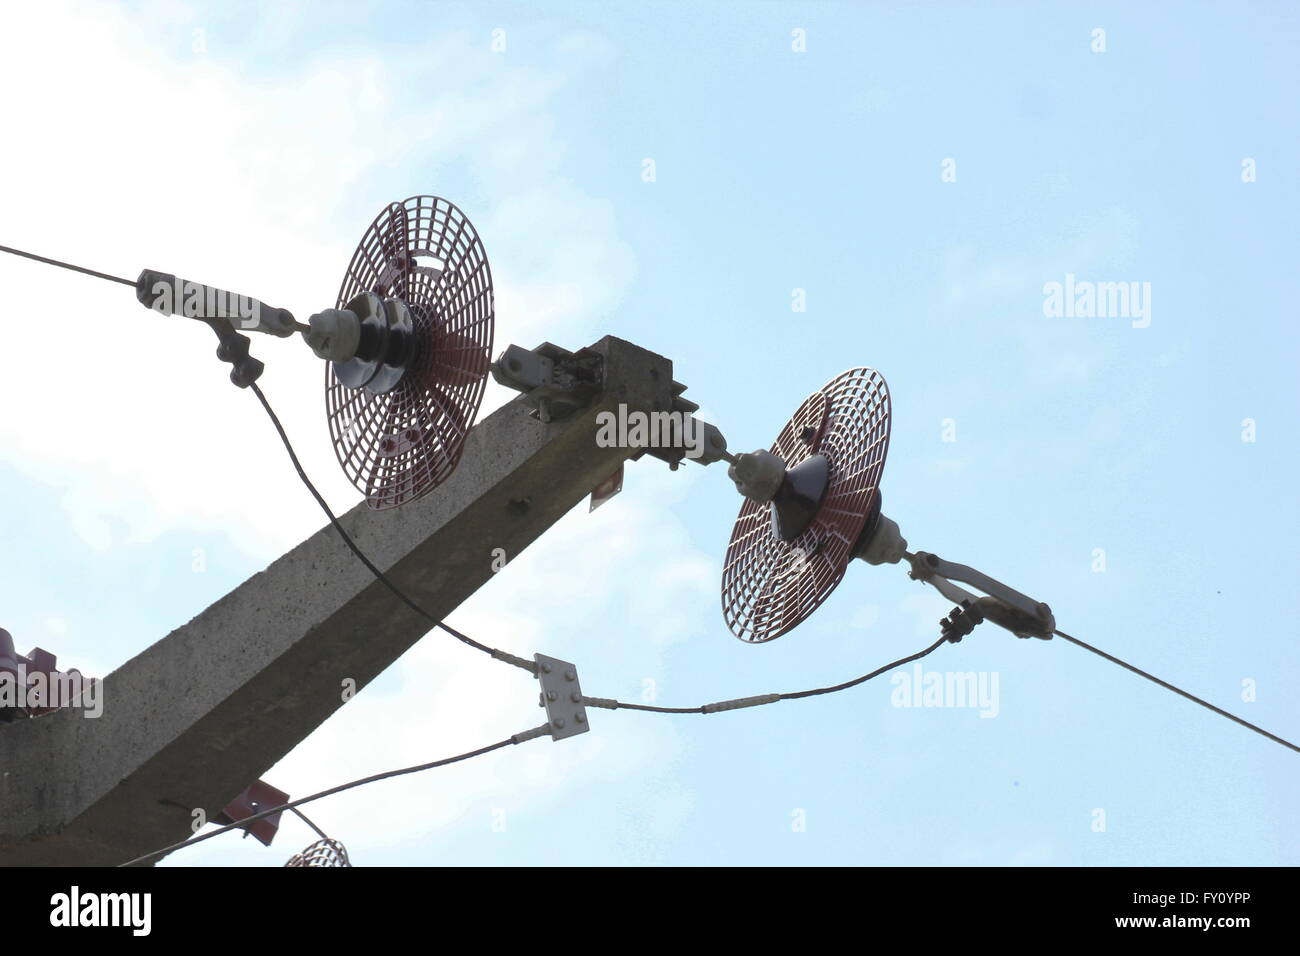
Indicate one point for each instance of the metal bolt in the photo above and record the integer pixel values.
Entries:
(559, 724)
(580, 718)
(570, 675)
(546, 668)
(551, 695)
(576, 697)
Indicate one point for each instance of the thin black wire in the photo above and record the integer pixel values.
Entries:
(347, 539)
(796, 695)
(68, 265)
(1177, 690)
(291, 805)
(307, 820)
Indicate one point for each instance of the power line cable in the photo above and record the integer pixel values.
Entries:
(67, 265)
(529, 666)
(531, 734)
(293, 804)
(762, 699)
(774, 698)
(370, 565)
(1177, 690)
(307, 820)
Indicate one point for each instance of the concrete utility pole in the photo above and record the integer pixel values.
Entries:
(197, 717)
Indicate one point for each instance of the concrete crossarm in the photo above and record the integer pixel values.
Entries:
(194, 719)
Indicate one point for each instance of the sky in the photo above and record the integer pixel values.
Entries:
(767, 194)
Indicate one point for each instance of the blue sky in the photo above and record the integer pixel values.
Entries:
(250, 147)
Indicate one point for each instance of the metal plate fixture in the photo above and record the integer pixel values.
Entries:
(769, 585)
(561, 696)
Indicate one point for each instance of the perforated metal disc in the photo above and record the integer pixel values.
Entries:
(400, 444)
(769, 586)
(325, 852)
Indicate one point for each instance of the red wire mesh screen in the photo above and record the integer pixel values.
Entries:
(395, 447)
(769, 586)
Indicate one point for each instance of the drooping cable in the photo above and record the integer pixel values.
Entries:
(373, 778)
(307, 820)
(764, 698)
(370, 565)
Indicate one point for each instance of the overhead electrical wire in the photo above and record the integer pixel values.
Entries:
(774, 698)
(529, 735)
(373, 778)
(702, 709)
(307, 820)
(594, 701)
(529, 666)
(361, 556)
(67, 265)
(759, 701)
(764, 698)
(1177, 690)
(725, 705)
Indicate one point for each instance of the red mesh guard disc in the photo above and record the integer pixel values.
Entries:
(396, 446)
(768, 585)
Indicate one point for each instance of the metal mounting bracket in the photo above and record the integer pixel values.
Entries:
(555, 381)
(1004, 606)
(561, 696)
